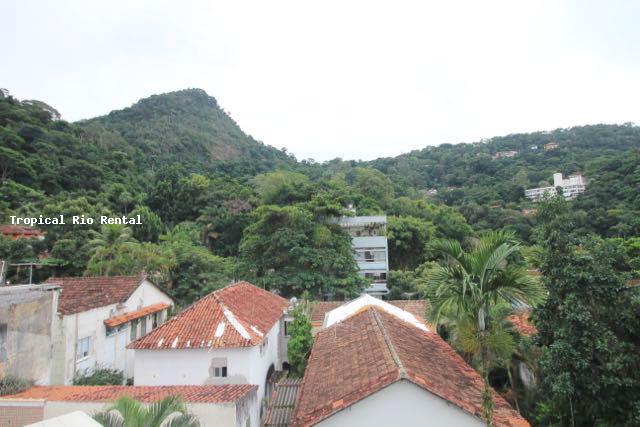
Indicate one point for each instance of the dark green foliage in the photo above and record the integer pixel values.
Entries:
(99, 376)
(151, 227)
(300, 342)
(10, 384)
(287, 249)
(197, 271)
(408, 237)
(589, 327)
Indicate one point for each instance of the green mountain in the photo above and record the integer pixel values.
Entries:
(187, 127)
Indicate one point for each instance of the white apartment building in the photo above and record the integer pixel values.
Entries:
(369, 241)
(571, 187)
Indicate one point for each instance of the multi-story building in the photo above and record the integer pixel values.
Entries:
(571, 187)
(369, 241)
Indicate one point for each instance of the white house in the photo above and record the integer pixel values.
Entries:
(369, 242)
(97, 317)
(235, 335)
(374, 364)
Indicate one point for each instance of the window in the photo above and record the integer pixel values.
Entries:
(82, 349)
(134, 330)
(286, 327)
(218, 367)
(263, 345)
(115, 330)
(143, 326)
(154, 321)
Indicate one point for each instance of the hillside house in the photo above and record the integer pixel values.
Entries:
(235, 335)
(374, 364)
(15, 232)
(504, 155)
(551, 146)
(97, 317)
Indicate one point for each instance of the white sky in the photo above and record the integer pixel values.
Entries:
(326, 79)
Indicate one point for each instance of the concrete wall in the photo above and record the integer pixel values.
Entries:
(209, 414)
(17, 413)
(26, 315)
(246, 365)
(402, 404)
(105, 351)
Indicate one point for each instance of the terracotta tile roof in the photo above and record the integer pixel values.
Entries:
(281, 403)
(20, 230)
(415, 307)
(521, 321)
(80, 294)
(236, 316)
(136, 314)
(189, 393)
(372, 349)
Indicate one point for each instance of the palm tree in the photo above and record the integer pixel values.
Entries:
(104, 244)
(471, 289)
(127, 412)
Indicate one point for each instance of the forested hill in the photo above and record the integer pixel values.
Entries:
(489, 189)
(474, 165)
(186, 127)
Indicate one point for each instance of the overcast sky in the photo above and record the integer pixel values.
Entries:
(326, 79)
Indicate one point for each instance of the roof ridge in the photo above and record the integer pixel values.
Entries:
(389, 343)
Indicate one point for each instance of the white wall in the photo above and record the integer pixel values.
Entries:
(402, 404)
(209, 414)
(245, 365)
(106, 351)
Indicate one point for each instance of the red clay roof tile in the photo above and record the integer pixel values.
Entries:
(372, 349)
(189, 393)
(238, 315)
(20, 230)
(522, 324)
(80, 294)
(136, 314)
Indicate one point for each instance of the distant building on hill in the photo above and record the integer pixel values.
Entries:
(571, 187)
(15, 232)
(504, 154)
(551, 146)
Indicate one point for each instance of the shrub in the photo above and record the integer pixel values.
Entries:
(99, 376)
(11, 385)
